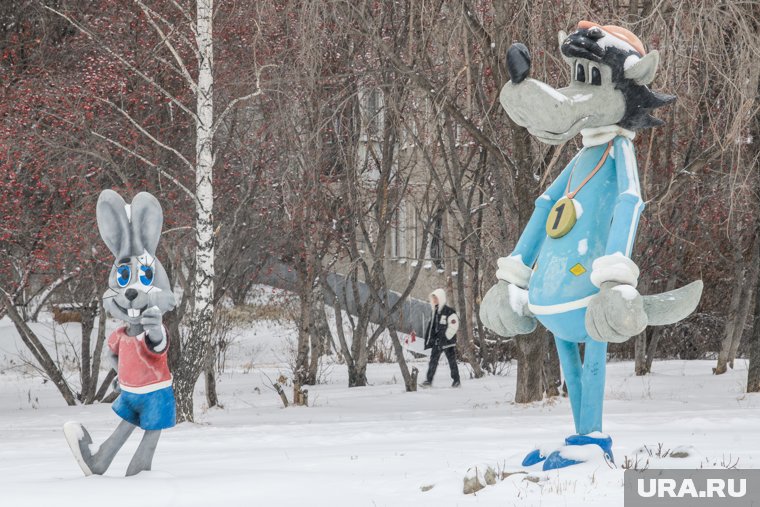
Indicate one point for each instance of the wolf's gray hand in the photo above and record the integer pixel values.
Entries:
(151, 322)
(616, 313)
(504, 317)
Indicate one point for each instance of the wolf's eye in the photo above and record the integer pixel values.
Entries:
(146, 275)
(580, 73)
(123, 275)
(596, 76)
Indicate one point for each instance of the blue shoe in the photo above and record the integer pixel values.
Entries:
(556, 460)
(605, 442)
(533, 457)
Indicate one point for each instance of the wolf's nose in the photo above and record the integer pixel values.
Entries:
(130, 294)
(518, 62)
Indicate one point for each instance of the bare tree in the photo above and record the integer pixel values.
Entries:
(176, 33)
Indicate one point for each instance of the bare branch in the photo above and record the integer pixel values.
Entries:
(39, 300)
(124, 61)
(148, 163)
(149, 135)
(165, 39)
(258, 91)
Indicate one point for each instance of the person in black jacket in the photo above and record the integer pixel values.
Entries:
(441, 336)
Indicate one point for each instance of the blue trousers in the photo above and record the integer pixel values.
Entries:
(149, 411)
(584, 379)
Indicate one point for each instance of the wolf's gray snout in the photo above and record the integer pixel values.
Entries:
(130, 294)
(518, 62)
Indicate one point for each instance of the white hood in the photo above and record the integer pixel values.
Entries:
(441, 295)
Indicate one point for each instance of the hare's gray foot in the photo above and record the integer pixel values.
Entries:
(143, 457)
(80, 443)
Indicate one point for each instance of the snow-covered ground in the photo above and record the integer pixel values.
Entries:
(376, 445)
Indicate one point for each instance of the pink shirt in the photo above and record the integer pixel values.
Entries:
(140, 369)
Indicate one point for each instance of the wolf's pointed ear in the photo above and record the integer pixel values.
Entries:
(113, 223)
(561, 36)
(642, 70)
(146, 223)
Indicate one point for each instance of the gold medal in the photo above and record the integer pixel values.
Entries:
(561, 219)
(562, 216)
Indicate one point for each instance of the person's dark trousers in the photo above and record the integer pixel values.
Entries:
(451, 356)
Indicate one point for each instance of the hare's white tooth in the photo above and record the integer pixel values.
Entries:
(133, 312)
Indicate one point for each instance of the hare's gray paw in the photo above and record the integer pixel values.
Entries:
(79, 441)
(151, 322)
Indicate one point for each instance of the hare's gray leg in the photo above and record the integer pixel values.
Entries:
(143, 457)
(108, 449)
(80, 442)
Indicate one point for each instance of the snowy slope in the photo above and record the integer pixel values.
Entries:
(367, 446)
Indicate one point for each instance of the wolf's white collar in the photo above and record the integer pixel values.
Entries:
(595, 136)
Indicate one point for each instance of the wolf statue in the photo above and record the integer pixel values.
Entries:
(574, 257)
(139, 293)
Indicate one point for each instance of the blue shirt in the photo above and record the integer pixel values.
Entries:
(608, 209)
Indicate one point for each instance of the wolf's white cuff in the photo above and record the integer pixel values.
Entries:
(514, 271)
(614, 268)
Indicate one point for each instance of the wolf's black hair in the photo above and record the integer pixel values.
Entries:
(639, 99)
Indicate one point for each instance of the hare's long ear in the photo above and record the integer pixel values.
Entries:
(147, 220)
(113, 223)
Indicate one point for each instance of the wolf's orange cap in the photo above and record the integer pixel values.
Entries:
(617, 31)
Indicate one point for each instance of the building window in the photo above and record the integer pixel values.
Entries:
(415, 233)
(437, 245)
(374, 112)
(398, 233)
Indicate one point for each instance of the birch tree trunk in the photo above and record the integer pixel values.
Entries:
(199, 343)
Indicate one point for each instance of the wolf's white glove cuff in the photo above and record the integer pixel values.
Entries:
(614, 268)
(513, 270)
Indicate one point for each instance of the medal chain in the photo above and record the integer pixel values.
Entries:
(571, 195)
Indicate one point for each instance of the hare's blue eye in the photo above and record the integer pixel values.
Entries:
(146, 275)
(123, 275)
